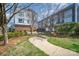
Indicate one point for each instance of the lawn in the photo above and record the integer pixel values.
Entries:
(68, 43)
(24, 48)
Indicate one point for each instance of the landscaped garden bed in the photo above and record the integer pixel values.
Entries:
(24, 48)
(20, 46)
(14, 34)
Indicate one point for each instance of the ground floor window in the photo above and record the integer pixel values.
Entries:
(68, 19)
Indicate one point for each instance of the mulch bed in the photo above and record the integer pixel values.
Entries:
(12, 42)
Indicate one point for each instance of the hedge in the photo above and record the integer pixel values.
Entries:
(68, 29)
(14, 34)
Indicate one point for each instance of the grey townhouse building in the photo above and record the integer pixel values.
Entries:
(68, 14)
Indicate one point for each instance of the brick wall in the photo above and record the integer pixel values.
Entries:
(24, 28)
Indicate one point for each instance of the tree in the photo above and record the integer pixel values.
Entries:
(33, 21)
(46, 16)
(47, 22)
(4, 9)
(52, 21)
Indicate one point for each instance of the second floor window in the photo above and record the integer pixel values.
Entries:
(68, 13)
(21, 20)
(21, 14)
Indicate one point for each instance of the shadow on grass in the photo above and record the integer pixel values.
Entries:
(76, 47)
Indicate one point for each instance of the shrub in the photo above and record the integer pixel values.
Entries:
(17, 34)
(68, 29)
(13, 34)
(1, 37)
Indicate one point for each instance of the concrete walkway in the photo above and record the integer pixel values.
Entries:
(51, 49)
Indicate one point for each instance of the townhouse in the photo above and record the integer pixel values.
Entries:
(24, 20)
(65, 15)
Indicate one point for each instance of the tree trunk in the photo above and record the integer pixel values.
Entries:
(31, 30)
(4, 32)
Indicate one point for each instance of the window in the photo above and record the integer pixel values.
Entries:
(28, 21)
(27, 14)
(21, 14)
(68, 13)
(68, 16)
(21, 20)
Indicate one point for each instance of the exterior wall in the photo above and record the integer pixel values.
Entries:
(65, 15)
(68, 14)
(23, 28)
(20, 28)
(61, 17)
(28, 17)
(41, 24)
(77, 12)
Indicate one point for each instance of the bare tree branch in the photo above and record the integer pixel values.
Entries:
(57, 7)
(18, 12)
(15, 6)
(10, 7)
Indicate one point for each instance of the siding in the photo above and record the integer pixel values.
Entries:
(65, 15)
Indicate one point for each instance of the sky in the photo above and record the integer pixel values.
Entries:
(44, 9)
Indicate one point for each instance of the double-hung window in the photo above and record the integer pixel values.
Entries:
(20, 20)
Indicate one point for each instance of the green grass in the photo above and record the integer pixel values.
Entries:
(24, 48)
(68, 43)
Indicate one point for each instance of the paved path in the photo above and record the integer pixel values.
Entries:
(51, 49)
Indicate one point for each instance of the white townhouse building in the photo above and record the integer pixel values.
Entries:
(24, 20)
